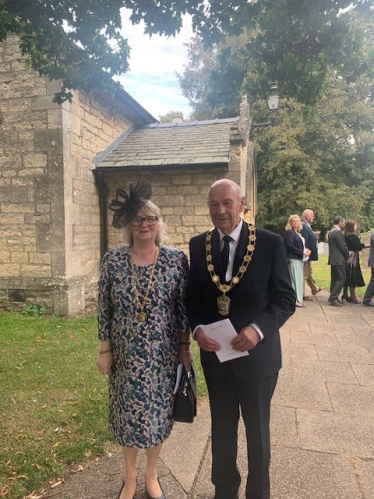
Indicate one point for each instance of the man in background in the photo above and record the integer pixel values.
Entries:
(338, 255)
(311, 244)
(370, 289)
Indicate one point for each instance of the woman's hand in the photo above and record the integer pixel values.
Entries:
(105, 361)
(185, 357)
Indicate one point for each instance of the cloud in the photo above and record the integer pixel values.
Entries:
(154, 61)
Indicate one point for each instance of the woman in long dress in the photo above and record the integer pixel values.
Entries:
(297, 253)
(144, 333)
(354, 277)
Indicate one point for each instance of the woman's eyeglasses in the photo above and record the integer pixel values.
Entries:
(138, 221)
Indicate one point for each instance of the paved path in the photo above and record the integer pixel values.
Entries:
(322, 420)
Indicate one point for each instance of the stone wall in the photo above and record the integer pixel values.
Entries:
(181, 194)
(49, 210)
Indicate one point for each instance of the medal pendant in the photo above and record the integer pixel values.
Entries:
(223, 303)
(142, 317)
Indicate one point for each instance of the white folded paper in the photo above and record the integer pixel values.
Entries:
(223, 332)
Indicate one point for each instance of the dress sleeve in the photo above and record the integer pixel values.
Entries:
(357, 245)
(104, 301)
(181, 298)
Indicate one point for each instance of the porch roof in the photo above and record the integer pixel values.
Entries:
(165, 145)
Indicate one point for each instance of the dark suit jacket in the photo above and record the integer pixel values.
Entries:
(264, 296)
(310, 240)
(371, 254)
(338, 251)
(294, 245)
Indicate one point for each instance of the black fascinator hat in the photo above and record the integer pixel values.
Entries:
(126, 209)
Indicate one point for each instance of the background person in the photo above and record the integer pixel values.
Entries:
(312, 244)
(255, 293)
(369, 293)
(338, 255)
(354, 277)
(144, 333)
(296, 253)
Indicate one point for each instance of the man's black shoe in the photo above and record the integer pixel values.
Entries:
(336, 303)
(369, 304)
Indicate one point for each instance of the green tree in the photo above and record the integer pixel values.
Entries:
(292, 42)
(319, 157)
(80, 41)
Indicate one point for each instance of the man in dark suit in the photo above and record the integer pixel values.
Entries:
(338, 255)
(255, 293)
(369, 293)
(311, 244)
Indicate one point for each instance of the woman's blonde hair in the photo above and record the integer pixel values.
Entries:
(290, 218)
(149, 209)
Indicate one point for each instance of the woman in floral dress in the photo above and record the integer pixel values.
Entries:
(144, 333)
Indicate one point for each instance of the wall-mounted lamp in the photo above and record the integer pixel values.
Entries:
(273, 106)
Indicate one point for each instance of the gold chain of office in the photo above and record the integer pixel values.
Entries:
(141, 314)
(223, 301)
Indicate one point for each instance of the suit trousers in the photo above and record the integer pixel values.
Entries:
(308, 277)
(338, 276)
(228, 395)
(369, 293)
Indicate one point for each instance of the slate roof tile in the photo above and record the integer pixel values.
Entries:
(197, 142)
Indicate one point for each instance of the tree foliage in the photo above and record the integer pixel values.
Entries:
(292, 42)
(320, 155)
(80, 41)
(320, 158)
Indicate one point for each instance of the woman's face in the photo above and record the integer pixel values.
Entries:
(144, 227)
(295, 223)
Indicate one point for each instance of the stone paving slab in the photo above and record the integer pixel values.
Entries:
(298, 393)
(333, 433)
(349, 353)
(301, 474)
(355, 400)
(364, 374)
(324, 371)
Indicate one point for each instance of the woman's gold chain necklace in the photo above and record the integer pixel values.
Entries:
(223, 301)
(141, 314)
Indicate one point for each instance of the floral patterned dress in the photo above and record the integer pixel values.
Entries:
(145, 354)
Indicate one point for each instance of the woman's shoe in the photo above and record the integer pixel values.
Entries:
(162, 496)
(347, 298)
(354, 300)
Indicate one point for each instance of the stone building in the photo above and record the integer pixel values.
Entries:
(49, 204)
(180, 160)
(60, 167)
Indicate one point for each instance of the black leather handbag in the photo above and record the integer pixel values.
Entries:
(185, 398)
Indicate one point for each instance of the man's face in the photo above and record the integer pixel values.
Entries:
(309, 217)
(342, 224)
(225, 207)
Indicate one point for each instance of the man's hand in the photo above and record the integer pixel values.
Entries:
(246, 339)
(206, 343)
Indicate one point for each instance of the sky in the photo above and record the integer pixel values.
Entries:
(154, 61)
